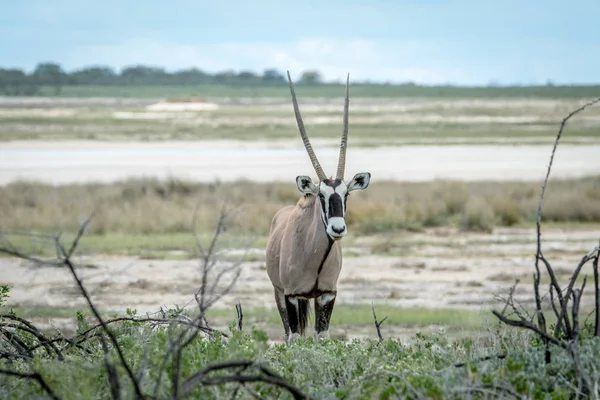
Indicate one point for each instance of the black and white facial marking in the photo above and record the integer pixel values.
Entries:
(332, 194)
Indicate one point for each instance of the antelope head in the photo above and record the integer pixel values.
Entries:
(332, 193)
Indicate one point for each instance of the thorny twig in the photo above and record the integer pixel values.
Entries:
(377, 323)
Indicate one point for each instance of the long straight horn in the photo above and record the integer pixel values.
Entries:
(344, 142)
(302, 129)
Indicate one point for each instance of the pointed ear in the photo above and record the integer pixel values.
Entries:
(360, 181)
(306, 185)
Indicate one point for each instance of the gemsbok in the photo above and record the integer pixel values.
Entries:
(304, 251)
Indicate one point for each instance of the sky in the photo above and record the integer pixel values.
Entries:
(462, 42)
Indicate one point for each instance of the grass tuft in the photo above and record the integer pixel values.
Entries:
(165, 207)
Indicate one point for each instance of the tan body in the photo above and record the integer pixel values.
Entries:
(297, 246)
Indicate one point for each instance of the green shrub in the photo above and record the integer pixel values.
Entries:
(4, 290)
(354, 369)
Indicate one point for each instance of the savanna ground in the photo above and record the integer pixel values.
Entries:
(374, 121)
(431, 256)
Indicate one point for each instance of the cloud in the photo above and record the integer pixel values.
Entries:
(394, 61)
(427, 41)
(421, 61)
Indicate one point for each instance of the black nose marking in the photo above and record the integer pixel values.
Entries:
(335, 206)
(338, 230)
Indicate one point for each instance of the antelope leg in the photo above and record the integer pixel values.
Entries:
(281, 306)
(293, 318)
(323, 309)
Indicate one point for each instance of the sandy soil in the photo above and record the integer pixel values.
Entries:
(441, 269)
(79, 161)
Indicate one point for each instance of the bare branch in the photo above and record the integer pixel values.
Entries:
(563, 324)
(553, 301)
(377, 323)
(82, 289)
(15, 341)
(523, 323)
(240, 315)
(25, 326)
(78, 236)
(64, 259)
(207, 294)
(113, 376)
(10, 250)
(575, 310)
(558, 136)
(539, 254)
(81, 337)
(573, 348)
(13, 356)
(569, 292)
(34, 376)
(267, 376)
(501, 356)
(596, 294)
(540, 313)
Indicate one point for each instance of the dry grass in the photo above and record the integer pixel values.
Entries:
(159, 207)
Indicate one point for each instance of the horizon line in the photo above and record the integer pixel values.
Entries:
(118, 71)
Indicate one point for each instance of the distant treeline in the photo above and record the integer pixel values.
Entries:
(19, 82)
(49, 75)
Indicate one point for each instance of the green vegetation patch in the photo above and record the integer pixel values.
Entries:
(323, 90)
(431, 366)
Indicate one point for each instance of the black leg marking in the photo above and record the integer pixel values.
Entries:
(323, 310)
(297, 314)
(291, 306)
(280, 300)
